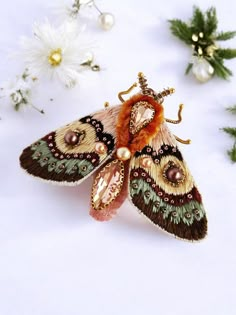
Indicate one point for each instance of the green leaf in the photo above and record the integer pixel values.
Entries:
(232, 153)
(198, 21)
(211, 21)
(225, 35)
(230, 130)
(232, 109)
(189, 67)
(181, 30)
(226, 53)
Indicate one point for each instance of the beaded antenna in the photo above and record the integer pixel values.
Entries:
(131, 153)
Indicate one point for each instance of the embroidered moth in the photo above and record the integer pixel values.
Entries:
(131, 152)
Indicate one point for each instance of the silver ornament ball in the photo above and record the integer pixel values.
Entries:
(106, 21)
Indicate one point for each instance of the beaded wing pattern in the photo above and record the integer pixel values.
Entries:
(133, 155)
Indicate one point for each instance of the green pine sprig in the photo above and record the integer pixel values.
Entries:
(232, 132)
(201, 33)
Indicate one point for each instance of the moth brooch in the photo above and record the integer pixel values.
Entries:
(131, 152)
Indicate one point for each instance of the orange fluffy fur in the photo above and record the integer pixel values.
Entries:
(138, 141)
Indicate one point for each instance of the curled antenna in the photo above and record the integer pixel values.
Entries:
(144, 86)
(148, 91)
(166, 92)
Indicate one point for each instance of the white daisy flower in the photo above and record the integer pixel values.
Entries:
(55, 52)
(19, 91)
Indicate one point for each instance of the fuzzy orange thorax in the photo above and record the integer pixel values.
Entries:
(137, 141)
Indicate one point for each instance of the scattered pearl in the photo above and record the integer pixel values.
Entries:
(106, 21)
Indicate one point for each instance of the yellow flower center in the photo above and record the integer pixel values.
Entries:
(55, 57)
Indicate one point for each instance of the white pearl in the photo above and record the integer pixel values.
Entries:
(106, 21)
(123, 154)
(202, 69)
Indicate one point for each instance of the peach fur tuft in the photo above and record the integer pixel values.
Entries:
(108, 213)
(138, 141)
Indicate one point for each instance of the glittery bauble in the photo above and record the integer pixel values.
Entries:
(106, 21)
(123, 154)
(202, 69)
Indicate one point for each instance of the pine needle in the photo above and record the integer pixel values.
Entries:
(232, 153)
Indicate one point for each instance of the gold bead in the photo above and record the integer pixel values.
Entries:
(55, 57)
(201, 35)
(194, 38)
(106, 104)
(146, 162)
(123, 153)
(210, 50)
(200, 51)
(100, 148)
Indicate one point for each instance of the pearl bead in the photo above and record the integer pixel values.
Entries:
(123, 153)
(174, 174)
(71, 138)
(100, 148)
(106, 21)
(146, 162)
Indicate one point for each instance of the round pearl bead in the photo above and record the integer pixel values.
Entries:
(123, 154)
(146, 162)
(174, 174)
(106, 21)
(71, 138)
(100, 148)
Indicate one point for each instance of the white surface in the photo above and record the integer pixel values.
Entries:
(54, 258)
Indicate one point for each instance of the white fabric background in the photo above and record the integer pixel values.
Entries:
(54, 258)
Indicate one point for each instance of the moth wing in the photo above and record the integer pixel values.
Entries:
(162, 188)
(53, 159)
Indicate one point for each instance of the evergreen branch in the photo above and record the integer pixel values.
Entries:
(232, 109)
(232, 153)
(201, 34)
(230, 130)
(198, 21)
(225, 35)
(181, 30)
(211, 21)
(226, 53)
(219, 69)
(189, 67)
